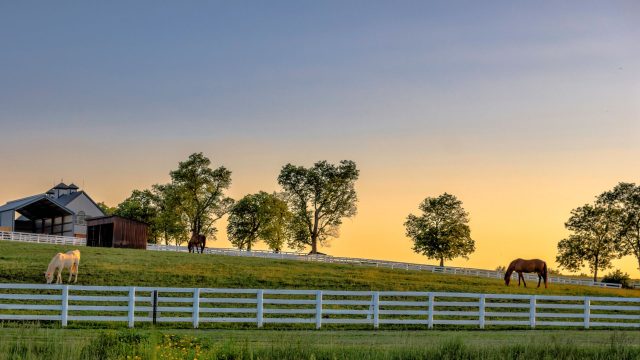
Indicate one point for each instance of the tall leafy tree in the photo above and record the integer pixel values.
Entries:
(256, 217)
(625, 199)
(319, 198)
(278, 229)
(594, 239)
(168, 222)
(200, 193)
(441, 231)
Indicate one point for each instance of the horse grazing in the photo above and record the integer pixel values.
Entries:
(527, 266)
(60, 261)
(197, 241)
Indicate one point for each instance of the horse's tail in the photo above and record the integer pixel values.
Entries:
(544, 272)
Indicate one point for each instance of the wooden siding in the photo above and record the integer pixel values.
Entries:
(124, 233)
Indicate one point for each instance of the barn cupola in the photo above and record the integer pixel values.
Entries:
(60, 190)
(72, 188)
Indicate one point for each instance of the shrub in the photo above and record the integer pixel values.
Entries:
(618, 277)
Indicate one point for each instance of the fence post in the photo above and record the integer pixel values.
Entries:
(587, 311)
(154, 303)
(132, 306)
(430, 315)
(260, 309)
(481, 310)
(376, 306)
(318, 309)
(65, 305)
(196, 307)
(532, 311)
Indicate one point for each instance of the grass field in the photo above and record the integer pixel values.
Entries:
(26, 263)
(33, 343)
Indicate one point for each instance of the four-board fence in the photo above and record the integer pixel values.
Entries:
(132, 305)
(42, 238)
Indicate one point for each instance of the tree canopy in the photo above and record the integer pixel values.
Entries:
(625, 199)
(441, 231)
(192, 202)
(260, 216)
(594, 239)
(199, 193)
(319, 198)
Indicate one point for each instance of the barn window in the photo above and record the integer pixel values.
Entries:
(80, 218)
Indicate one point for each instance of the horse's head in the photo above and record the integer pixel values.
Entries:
(507, 277)
(48, 276)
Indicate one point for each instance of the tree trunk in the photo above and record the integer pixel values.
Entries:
(314, 233)
(314, 245)
(595, 273)
(249, 246)
(441, 262)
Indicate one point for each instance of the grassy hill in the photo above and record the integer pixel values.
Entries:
(26, 263)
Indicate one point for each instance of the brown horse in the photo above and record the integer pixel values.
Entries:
(197, 242)
(527, 266)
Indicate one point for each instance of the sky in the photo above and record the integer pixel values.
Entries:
(524, 111)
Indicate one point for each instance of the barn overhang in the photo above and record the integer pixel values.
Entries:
(34, 208)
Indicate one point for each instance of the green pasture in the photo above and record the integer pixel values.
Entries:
(35, 343)
(26, 263)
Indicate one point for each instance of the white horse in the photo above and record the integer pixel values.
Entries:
(60, 261)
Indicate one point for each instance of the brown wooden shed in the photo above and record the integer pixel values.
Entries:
(116, 232)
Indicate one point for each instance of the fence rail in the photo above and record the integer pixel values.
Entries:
(67, 240)
(42, 238)
(131, 305)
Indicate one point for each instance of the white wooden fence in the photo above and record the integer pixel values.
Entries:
(42, 238)
(131, 305)
(384, 264)
(66, 240)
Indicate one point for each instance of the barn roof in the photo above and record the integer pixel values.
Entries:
(37, 207)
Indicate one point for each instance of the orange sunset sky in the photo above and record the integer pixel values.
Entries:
(523, 111)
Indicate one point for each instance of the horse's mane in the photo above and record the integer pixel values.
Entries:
(54, 263)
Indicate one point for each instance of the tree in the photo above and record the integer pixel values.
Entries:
(594, 239)
(319, 198)
(278, 229)
(625, 198)
(168, 222)
(106, 209)
(442, 231)
(260, 216)
(199, 193)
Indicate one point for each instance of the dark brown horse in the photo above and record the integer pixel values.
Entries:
(197, 242)
(527, 266)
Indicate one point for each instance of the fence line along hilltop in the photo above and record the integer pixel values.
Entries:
(66, 240)
(198, 306)
(383, 264)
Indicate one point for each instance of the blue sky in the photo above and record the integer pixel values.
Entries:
(289, 67)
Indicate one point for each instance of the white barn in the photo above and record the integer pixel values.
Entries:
(63, 210)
